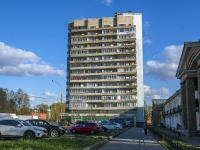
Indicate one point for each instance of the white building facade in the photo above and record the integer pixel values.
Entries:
(172, 111)
(105, 66)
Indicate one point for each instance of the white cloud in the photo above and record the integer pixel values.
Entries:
(166, 69)
(50, 94)
(147, 41)
(154, 94)
(18, 62)
(164, 91)
(173, 52)
(107, 2)
(146, 25)
(31, 97)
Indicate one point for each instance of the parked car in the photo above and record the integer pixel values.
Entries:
(53, 130)
(85, 127)
(120, 121)
(77, 123)
(103, 128)
(14, 128)
(104, 122)
(113, 126)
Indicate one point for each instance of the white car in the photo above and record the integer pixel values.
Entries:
(113, 126)
(14, 128)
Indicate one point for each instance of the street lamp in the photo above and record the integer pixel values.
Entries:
(60, 96)
(60, 89)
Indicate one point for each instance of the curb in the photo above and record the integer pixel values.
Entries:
(159, 141)
(103, 142)
(162, 144)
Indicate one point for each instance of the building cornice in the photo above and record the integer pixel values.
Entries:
(187, 45)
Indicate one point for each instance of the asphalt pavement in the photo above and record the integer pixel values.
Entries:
(133, 138)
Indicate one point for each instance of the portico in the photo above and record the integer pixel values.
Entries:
(189, 74)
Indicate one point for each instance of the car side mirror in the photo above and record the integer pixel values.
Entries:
(19, 125)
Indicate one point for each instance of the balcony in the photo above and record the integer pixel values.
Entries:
(119, 101)
(101, 80)
(104, 41)
(95, 35)
(105, 87)
(102, 108)
(102, 94)
(105, 47)
(104, 101)
(102, 67)
(107, 60)
(105, 73)
(100, 28)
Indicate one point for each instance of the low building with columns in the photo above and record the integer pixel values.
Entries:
(172, 111)
(189, 74)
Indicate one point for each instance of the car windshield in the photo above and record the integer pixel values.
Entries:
(51, 123)
(25, 123)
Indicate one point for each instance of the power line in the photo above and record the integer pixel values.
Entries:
(39, 97)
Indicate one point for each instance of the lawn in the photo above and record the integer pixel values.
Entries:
(61, 143)
(74, 142)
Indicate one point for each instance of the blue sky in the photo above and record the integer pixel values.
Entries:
(33, 42)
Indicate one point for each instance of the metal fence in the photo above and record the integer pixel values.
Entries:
(163, 135)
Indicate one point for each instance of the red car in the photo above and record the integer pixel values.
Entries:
(85, 127)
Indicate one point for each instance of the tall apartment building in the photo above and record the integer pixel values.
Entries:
(105, 66)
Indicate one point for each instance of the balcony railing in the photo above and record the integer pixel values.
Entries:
(107, 60)
(102, 108)
(102, 94)
(105, 73)
(106, 87)
(103, 41)
(102, 67)
(104, 101)
(102, 80)
(100, 28)
(105, 47)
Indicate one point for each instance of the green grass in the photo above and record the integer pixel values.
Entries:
(186, 146)
(79, 142)
(61, 143)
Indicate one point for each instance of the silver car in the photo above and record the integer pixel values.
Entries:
(14, 128)
(113, 126)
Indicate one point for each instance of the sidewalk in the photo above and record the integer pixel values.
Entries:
(195, 141)
(133, 138)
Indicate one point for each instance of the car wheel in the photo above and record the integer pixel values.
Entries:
(54, 133)
(92, 132)
(29, 135)
(74, 131)
(117, 128)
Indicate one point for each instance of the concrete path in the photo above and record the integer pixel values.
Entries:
(133, 138)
